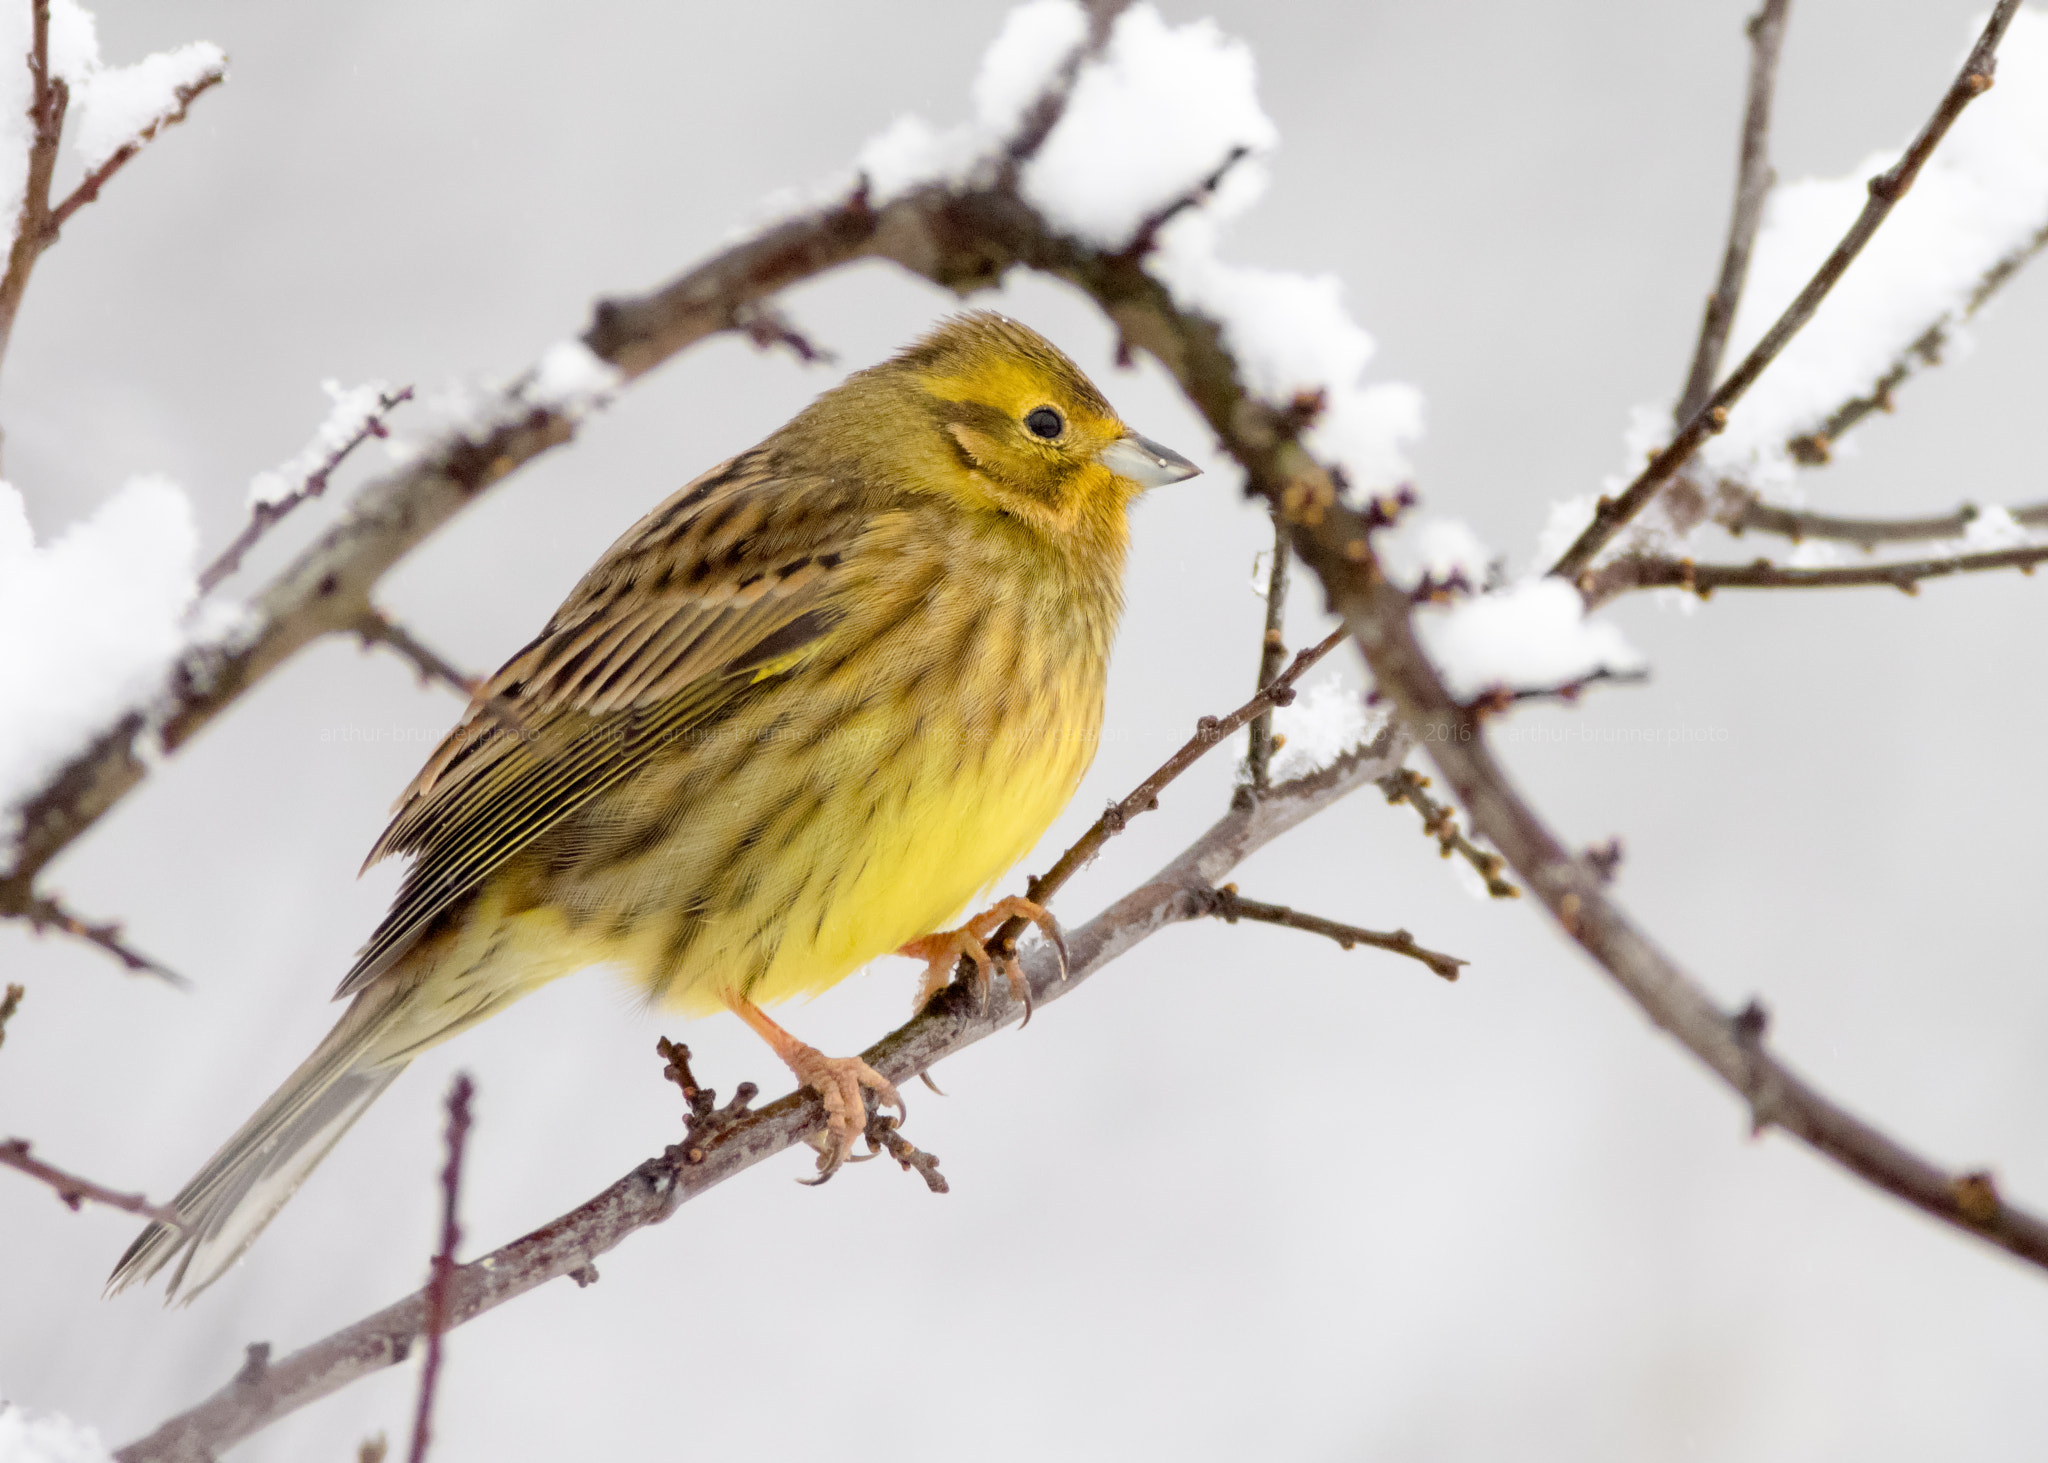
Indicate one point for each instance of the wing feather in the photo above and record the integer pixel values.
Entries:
(678, 618)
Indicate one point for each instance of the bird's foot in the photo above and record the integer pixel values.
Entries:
(839, 1083)
(941, 951)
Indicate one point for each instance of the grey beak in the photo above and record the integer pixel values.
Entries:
(1145, 462)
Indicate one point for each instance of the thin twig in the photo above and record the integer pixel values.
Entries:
(1210, 732)
(1927, 349)
(1230, 907)
(1258, 757)
(1799, 524)
(1441, 823)
(89, 187)
(1905, 575)
(264, 515)
(73, 1190)
(10, 1002)
(1500, 698)
(377, 628)
(1886, 189)
(49, 97)
(45, 912)
(443, 1267)
(654, 1191)
(767, 327)
(1753, 182)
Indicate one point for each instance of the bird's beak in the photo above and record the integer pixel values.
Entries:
(1145, 462)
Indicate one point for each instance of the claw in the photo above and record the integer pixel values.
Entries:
(926, 1078)
(840, 1083)
(942, 950)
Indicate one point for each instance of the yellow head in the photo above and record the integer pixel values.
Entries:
(992, 415)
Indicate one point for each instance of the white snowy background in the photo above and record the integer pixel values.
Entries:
(1247, 1195)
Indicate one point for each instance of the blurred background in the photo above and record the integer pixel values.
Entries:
(1247, 1195)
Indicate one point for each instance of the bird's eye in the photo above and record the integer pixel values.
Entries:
(1045, 422)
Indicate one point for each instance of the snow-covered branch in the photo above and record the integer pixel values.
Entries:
(1882, 194)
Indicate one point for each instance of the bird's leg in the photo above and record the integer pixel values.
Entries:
(836, 1080)
(940, 951)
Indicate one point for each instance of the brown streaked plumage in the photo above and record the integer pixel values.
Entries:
(799, 715)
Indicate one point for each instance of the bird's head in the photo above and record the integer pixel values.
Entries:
(1010, 425)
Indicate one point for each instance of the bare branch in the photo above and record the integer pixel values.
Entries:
(263, 515)
(1906, 575)
(10, 1002)
(1258, 757)
(1752, 185)
(950, 1022)
(1799, 524)
(49, 98)
(1817, 447)
(1441, 823)
(89, 187)
(1230, 907)
(1886, 189)
(443, 1268)
(39, 224)
(45, 912)
(74, 1191)
(1209, 732)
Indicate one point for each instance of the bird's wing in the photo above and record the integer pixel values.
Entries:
(728, 582)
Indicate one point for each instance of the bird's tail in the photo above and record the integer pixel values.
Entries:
(242, 1187)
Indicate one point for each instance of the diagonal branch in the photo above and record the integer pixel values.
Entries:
(951, 1022)
(89, 187)
(73, 1190)
(1230, 907)
(1886, 189)
(45, 912)
(1927, 349)
(1753, 181)
(264, 514)
(1732, 1046)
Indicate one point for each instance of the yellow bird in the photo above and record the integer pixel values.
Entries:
(800, 715)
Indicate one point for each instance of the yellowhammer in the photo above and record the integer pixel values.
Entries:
(801, 715)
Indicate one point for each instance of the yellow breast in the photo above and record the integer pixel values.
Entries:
(859, 801)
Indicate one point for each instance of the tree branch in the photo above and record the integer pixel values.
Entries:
(442, 1270)
(89, 187)
(952, 1021)
(49, 97)
(263, 515)
(1441, 823)
(1906, 575)
(1886, 189)
(1799, 524)
(1337, 548)
(1753, 181)
(45, 912)
(1258, 757)
(1230, 907)
(73, 1190)
(1816, 448)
